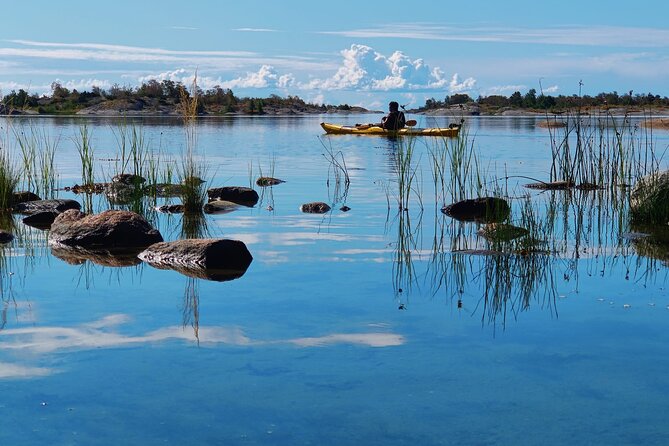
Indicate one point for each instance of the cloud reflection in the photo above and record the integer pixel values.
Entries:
(102, 334)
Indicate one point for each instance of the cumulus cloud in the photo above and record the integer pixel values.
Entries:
(265, 77)
(456, 86)
(363, 68)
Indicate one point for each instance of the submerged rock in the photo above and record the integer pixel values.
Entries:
(484, 209)
(122, 193)
(649, 201)
(316, 207)
(128, 179)
(268, 181)
(171, 208)
(236, 194)
(164, 190)
(36, 206)
(108, 230)
(553, 185)
(220, 207)
(502, 232)
(212, 259)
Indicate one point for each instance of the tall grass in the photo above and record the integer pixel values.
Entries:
(9, 179)
(38, 153)
(86, 156)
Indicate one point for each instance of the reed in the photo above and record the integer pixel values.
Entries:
(38, 152)
(9, 179)
(86, 156)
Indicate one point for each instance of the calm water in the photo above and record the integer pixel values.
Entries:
(360, 327)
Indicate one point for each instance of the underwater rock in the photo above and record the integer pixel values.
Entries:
(171, 208)
(212, 259)
(484, 209)
(220, 207)
(128, 179)
(651, 241)
(5, 237)
(109, 230)
(268, 181)
(122, 193)
(316, 207)
(236, 194)
(164, 190)
(57, 206)
(649, 201)
(501, 232)
(553, 185)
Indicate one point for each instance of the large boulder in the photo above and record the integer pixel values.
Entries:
(237, 194)
(57, 206)
(484, 209)
(107, 230)
(212, 259)
(650, 199)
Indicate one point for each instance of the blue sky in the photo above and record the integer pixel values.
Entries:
(341, 52)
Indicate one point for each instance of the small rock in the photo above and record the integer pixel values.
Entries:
(128, 179)
(344, 208)
(57, 206)
(220, 207)
(316, 207)
(236, 194)
(486, 209)
(268, 181)
(171, 208)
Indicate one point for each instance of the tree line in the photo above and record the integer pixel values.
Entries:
(153, 93)
(532, 100)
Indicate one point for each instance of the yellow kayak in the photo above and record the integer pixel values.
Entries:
(335, 129)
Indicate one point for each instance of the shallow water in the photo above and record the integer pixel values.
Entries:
(358, 327)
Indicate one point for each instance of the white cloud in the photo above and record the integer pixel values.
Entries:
(256, 30)
(551, 89)
(363, 68)
(609, 36)
(265, 77)
(455, 86)
(504, 89)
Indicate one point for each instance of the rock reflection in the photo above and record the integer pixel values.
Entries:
(102, 257)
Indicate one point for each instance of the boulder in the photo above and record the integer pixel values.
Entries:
(40, 220)
(107, 230)
(58, 206)
(650, 199)
(484, 209)
(220, 207)
(5, 237)
(212, 259)
(316, 207)
(237, 194)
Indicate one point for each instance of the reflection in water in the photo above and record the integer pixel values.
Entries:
(104, 333)
(191, 307)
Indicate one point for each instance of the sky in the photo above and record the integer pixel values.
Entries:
(358, 53)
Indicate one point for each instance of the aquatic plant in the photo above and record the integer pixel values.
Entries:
(86, 156)
(9, 179)
(38, 152)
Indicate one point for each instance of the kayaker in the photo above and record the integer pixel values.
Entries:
(394, 120)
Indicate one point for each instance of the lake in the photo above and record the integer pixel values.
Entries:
(378, 325)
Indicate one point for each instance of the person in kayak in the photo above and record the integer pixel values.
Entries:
(394, 120)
